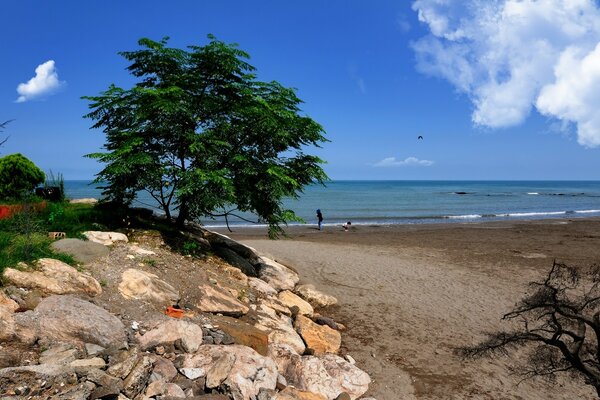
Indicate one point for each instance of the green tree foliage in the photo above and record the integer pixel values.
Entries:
(200, 133)
(18, 177)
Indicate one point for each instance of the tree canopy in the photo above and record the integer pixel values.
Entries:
(202, 135)
(18, 177)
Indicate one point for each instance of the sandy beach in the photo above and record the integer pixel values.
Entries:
(411, 294)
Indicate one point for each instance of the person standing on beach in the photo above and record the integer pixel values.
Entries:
(320, 219)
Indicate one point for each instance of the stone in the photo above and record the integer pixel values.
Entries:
(81, 250)
(235, 260)
(173, 391)
(101, 378)
(249, 373)
(7, 303)
(54, 277)
(169, 331)
(278, 327)
(84, 201)
(123, 363)
(140, 285)
(61, 354)
(87, 363)
(320, 338)
(219, 370)
(105, 238)
(236, 274)
(314, 297)
(219, 240)
(156, 388)
(328, 374)
(217, 301)
(321, 320)
(73, 320)
(277, 275)
(290, 300)
(92, 349)
(291, 393)
(243, 333)
(193, 373)
(8, 330)
(140, 251)
(343, 396)
(163, 370)
(138, 378)
(277, 305)
(261, 286)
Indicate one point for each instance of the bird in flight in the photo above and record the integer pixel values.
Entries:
(420, 137)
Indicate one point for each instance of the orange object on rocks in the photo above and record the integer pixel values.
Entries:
(174, 312)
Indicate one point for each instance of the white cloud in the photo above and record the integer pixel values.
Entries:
(403, 23)
(510, 56)
(44, 82)
(407, 162)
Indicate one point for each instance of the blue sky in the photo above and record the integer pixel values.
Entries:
(502, 89)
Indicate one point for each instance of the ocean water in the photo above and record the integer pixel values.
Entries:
(417, 202)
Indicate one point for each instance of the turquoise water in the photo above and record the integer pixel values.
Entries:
(412, 202)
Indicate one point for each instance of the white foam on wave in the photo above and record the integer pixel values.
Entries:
(533, 214)
(469, 216)
(533, 193)
(587, 211)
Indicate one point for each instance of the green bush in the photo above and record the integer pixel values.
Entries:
(18, 177)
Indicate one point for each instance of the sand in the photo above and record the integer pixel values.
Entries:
(411, 295)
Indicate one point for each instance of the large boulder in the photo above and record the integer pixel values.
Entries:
(214, 300)
(219, 240)
(291, 300)
(235, 259)
(328, 375)
(169, 331)
(105, 238)
(314, 297)
(240, 369)
(54, 277)
(277, 275)
(73, 320)
(262, 287)
(243, 333)
(141, 285)
(81, 250)
(279, 327)
(319, 338)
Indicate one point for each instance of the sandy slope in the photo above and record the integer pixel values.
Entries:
(410, 295)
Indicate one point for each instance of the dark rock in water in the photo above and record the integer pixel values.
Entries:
(235, 260)
(83, 251)
(461, 193)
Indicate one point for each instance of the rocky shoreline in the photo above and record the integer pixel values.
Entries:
(138, 321)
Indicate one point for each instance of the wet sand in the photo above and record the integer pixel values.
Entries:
(410, 295)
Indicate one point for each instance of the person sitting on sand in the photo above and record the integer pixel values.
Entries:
(346, 226)
(320, 219)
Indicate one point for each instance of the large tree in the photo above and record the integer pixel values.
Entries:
(203, 136)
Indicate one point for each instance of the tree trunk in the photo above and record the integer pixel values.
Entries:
(183, 214)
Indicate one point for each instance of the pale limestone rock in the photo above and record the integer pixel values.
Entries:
(61, 354)
(283, 355)
(156, 388)
(279, 327)
(320, 338)
(54, 277)
(124, 363)
(217, 301)
(290, 300)
(261, 286)
(105, 238)
(7, 303)
(250, 371)
(140, 251)
(94, 362)
(72, 320)
(277, 275)
(140, 285)
(219, 370)
(277, 305)
(7, 325)
(328, 375)
(171, 330)
(236, 274)
(243, 333)
(314, 297)
(138, 378)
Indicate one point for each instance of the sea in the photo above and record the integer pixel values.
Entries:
(417, 202)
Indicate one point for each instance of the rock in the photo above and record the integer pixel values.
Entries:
(328, 374)
(343, 396)
(261, 286)
(163, 370)
(105, 238)
(73, 320)
(8, 330)
(193, 373)
(83, 201)
(219, 370)
(243, 333)
(169, 331)
(277, 275)
(320, 338)
(140, 285)
(218, 240)
(236, 274)
(137, 380)
(122, 365)
(321, 320)
(54, 277)
(278, 327)
(92, 349)
(173, 391)
(7, 303)
(83, 251)
(314, 297)
(61, 354)
(216, 301)
(156, 388)
(276, 305)
(87, 363)
(290, 300)
(140, 251)
(235, 260)
(101, 378)
(105, 392)
(291, 393)
(249, 373)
